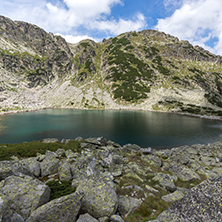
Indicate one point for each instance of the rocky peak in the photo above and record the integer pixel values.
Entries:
(31, 51)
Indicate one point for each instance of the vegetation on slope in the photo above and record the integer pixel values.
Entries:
(31, 149)
(132, 68)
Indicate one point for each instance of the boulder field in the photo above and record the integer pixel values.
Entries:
(109, 182)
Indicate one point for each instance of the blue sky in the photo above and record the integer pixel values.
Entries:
(198, 21)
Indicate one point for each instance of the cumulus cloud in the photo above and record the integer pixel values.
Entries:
(77, 38)
(198, 21)
(171, 5)
(121, 26)
(71, 17)
(74, 13)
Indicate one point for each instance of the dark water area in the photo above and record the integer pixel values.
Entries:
(147, 129)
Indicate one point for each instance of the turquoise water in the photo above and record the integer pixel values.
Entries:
(139, 127)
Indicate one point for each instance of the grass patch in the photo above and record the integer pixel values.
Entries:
(85, 44)
(160, 67)
(129, 73)
(60, 188)
(32, 148)
(149, 209)
(123, 41)
(189, 185)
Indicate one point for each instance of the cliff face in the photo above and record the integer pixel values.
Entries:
(135, 70)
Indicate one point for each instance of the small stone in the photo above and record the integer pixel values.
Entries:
(116, 218)
(165, 181)
(146, 151)
(50, 140)
(172, 197)
(60, 152)
(151, 189)
(134, 176)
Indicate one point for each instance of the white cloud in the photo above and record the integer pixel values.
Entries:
(76, 39)
(197, 21)
(77, 12)
(90, 8)
(70, 16)
(172, 4)
(121, 26)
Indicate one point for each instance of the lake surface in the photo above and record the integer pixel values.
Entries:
(158, 130)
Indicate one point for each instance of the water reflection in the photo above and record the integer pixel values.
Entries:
(142, 128)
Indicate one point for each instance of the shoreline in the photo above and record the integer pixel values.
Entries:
(217, 118)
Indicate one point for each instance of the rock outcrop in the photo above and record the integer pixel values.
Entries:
(202, 203)
(106, 182)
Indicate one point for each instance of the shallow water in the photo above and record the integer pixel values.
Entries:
(159, 130)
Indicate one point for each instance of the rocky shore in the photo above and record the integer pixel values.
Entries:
(104, 181)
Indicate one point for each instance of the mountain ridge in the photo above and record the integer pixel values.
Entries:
(146, 70)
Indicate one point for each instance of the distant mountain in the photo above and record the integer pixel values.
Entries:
(147, 70)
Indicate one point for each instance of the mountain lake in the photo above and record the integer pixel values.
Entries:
(146, 129)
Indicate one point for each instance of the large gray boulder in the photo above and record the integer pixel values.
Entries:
(184, 173)
(65, 172)
(100, 199)
(50, 164)
(3, 205)
(24, 195)
(11, 216)
(202, 203)
(165, 181)
(9, 168)
(63, 209)
(33, 165)
(128, 205)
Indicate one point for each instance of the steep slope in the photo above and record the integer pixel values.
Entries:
(147, 70)
(154, 68)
